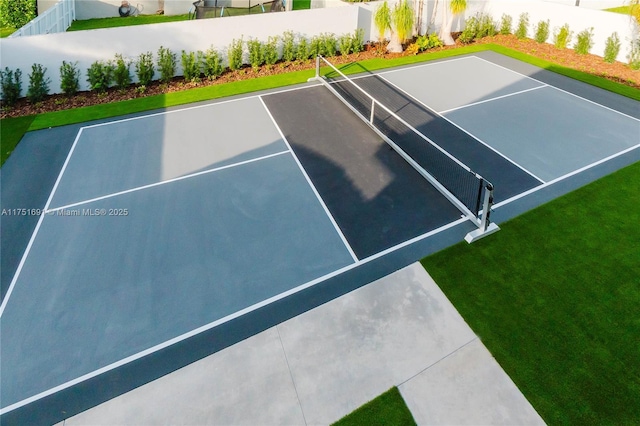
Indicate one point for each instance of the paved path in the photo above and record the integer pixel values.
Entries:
(313, 369)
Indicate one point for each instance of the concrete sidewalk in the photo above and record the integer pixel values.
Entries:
(313, 369)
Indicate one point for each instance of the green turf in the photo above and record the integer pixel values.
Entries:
(96, 23)
(389, 409)
(11, 131)
(625, 10)
(301, 4)
(555, 296)
(6, 31)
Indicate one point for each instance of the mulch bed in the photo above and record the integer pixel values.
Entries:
(592, 64)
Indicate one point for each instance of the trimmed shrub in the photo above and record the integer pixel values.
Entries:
(303, 50)
(69, 78)
(470, 30)
(523, 26)
(166, 64)
(256, 53)
(212, 64)
(191, 65)
(584, 41)
(344, 44)
(235, 54)
(11, 84)
(612, 48)
(38, 84)
(316, 46)
(288, 46)
(270, 49)
(329, 44)
(357, 41)
(562, 36)
(145, 69)
(542, 31)
(122, 72)
(430, 41)
(100, 75)
(486, 26)
(478, 26)
(506, 23)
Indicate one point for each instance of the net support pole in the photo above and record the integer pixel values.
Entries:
(486, 227)
(317, 76)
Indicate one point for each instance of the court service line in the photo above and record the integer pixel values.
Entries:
(223, 320)
(210, 104)
(313, 188)
(492, 99)
(463, 129)
(561, 90)
(563, 177)
(435, 62)
(164, 182)
(37, 228)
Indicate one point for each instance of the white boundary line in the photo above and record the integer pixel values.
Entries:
(492, 99)
(429, 64)
(151, 185)
(561, 90)
(37, 228)
(211, 104)
(558, 179)
(313, 188)
(462, 129)
(225, 319)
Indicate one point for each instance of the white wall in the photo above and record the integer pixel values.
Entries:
(89, 46)
(578, 18)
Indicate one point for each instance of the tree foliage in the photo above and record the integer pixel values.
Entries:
(382, 19)
(16, 13)
(402, 18)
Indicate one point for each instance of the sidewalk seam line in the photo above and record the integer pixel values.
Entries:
(286, 359)
(438, 361)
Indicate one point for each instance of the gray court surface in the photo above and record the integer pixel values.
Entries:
(170, 236)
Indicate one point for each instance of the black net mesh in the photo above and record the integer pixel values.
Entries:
(463, 184)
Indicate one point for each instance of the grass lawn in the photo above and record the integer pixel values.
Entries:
(388, 409)
(554, 296)
(11, 131)
(6, 31)
(93, 24)
(301, 4)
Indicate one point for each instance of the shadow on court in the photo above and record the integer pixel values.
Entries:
(377, 199)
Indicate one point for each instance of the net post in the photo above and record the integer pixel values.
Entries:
(373, 105)
(485, 226)
(317, 76)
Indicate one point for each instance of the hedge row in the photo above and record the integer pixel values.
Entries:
(198, 65)
(482, 25)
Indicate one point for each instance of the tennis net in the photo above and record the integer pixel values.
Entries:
(467, 190)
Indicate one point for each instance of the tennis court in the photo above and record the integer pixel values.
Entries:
(168, 236)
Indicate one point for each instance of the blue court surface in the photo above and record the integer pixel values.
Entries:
(167, 236)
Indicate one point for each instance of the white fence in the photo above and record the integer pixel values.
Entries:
(54, 20)
(86, 47)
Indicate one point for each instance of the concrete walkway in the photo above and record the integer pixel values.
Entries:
(313, 369)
